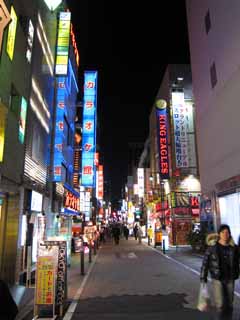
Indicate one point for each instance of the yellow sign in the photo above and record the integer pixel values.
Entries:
(45, 280)
(3, 113)
(11, 34)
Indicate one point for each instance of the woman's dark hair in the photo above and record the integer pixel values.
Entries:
(224, 227)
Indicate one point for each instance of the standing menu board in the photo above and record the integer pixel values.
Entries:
(45, 285)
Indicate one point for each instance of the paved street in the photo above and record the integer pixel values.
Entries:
(133, 281)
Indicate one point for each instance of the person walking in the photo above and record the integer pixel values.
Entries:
(150, 235)
(125, 232)
(135, 231)
(116, 233)
(139, 234)
(221, 259)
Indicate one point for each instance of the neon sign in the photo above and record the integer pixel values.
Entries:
(71, 202)
(74, 46)
(162, 126)
(89, 128)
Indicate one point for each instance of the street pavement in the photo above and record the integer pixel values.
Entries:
(131, 281)
(135, 281)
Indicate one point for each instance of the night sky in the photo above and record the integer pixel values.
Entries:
(130, 44)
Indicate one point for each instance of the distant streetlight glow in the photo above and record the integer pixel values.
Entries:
(52, 4)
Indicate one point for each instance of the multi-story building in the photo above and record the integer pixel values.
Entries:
(15, 75)
(31, 71)
(173, 156)
(214, 48)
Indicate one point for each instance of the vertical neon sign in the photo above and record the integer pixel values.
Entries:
(89, 128)
(162, 127)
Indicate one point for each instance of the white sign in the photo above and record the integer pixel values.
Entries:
(180, 118)
(36, 201)
(140, 175)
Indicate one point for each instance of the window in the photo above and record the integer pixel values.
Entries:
(37, 144)
(207, 22)
(213, 75)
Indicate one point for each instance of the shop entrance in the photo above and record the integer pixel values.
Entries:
(230, 213)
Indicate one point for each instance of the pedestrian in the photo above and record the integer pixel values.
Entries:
(126, 232)
(221, 259)
(150, 235)
(139, 234)
(8, 309)
(116, 233)
(135, 230)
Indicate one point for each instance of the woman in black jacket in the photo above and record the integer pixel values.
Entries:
(221, 260)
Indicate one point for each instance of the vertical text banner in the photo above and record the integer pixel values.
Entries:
(162, 136)
(61, 66)
(180, 120)
(89, 128)
(45, 280)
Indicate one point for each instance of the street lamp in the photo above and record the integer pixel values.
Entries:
(52, 4)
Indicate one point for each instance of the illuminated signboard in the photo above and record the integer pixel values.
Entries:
(100, 182)
(89, 128)
(59, 127)
(11, 33)
(30, 41)
(140, 175)
(22, 120)
(71, 202)
(3, 114)
(184, 134)
(162, 136)
(63, 43)
(74, 46)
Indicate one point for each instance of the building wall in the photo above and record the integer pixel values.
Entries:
(217, 106)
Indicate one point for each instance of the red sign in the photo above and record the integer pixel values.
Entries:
(71, 201)
(74, 46)
(162, 126)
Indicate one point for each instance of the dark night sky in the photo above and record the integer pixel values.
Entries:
(129, 43)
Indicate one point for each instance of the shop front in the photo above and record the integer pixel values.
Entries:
(69, 230)
(228, 208)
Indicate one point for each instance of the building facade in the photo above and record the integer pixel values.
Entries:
(173, 200)
(215, 70)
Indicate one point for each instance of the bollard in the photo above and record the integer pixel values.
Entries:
(164, 251)
(82, 260)
(90, 253)
(95, 247)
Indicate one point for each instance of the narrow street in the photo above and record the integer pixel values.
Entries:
(133, 281)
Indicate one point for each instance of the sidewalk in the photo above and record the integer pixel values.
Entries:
(190, 259)
(24, 297)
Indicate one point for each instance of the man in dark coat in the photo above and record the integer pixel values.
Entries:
(221, 259)
(8, 307)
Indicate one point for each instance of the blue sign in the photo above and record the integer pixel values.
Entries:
(89, 128)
